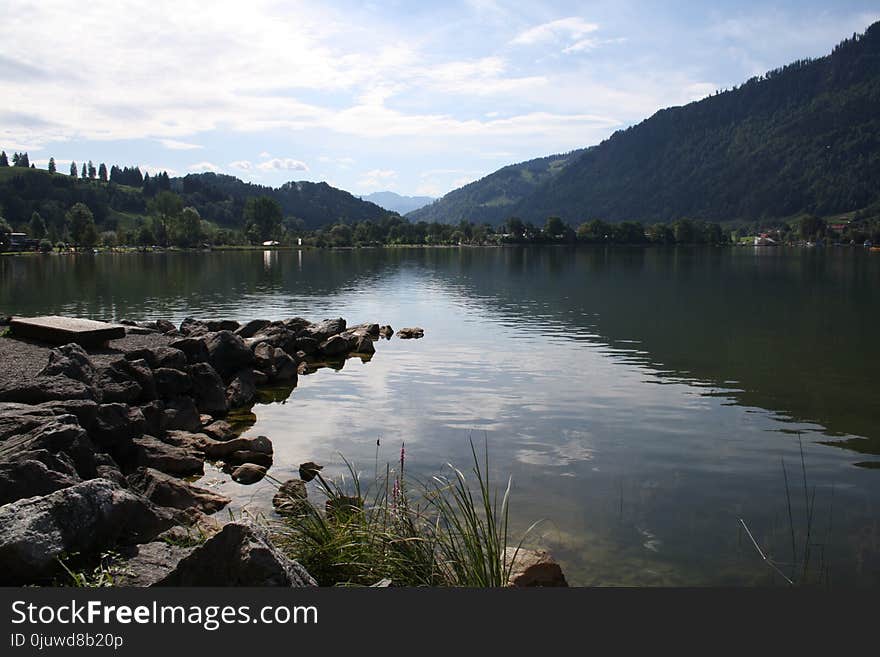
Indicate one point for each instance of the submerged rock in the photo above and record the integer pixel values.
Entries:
(248, 473)
(412, 332)
(291, 498)
(533, 568)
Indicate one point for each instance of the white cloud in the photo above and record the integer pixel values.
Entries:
(573, 28)
(265, 155)
(377, 180)
(205, 166)
(154, 169)
(283, 164)
(175, 145)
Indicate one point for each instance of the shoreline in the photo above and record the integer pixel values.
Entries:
(110, 436)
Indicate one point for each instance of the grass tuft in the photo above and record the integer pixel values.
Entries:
(446, 532)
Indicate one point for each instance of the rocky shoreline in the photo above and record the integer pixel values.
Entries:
(95, 447)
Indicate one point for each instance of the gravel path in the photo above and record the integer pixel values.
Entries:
(24, 359)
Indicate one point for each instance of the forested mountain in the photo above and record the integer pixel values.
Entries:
(804, 138)
(491, 199)
(219, 199)
(398, 203)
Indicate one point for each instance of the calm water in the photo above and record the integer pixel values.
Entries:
(643, 400)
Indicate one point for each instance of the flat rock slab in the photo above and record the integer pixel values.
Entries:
(63, 330)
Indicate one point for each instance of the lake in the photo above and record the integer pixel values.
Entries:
(644, 401)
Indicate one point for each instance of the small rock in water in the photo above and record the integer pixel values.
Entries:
(248, 473)
(308, 470)
(412, 332)
(291, 497)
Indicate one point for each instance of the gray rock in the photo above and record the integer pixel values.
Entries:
(29, 478)
(250, 457)
(228, 353)
(165, 490)
(157, 357)
(222, 449)
(219, 430)
(248, 473)
(154, 416)
(291, 498)
(86, 518)
(532, 568)
(285, 367)
(171, 383)
(116, 423)
(117, 383)
(275, 336)
(194, 349)
(239, 555)
(386, 332)
(181, 413)
(208, 389)
(325, 329)
(307, 344)
(242, 390)
(295, 324)
(222, 325)
(336, 345)
(251, 328)
(45, 388)
(190, 326)
(85, 410)
(72, 361)
(151, 452)
(364, 345)
(151, 562)
(412, 332)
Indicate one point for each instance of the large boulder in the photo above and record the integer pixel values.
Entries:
(150, 452)
(336, 345)
(117, 384)
(413, 332)
(241, 554)
(157, 357)
(85, 410)
(194, 327)
(62, 435)
(181, 414)
(86, 518)
(151, 562)
(171, 383)
(323, 330)
(275, 336)
(165, 490)
(72, 361)
(117, 423)
(216, 449)
(242, 390)
(30, 478)
(251, 328)
(45, 388)
(228, 353)
(194, 349)
(222, 325)
(208, 389)
(285, 367)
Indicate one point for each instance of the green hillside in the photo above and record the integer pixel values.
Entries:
(491, 199)
(801, 139)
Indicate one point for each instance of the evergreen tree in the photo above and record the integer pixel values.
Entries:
(92, 170)
(262, 218)
(73, 169)
(166, 207)
(4, 161)
(37, 226)
(85, 172)
(23, 161)
(102, 172)
(51, 165)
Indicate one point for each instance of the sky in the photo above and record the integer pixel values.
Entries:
(413, 97)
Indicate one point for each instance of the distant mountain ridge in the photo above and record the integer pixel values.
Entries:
(804, 138)
(397, 202)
